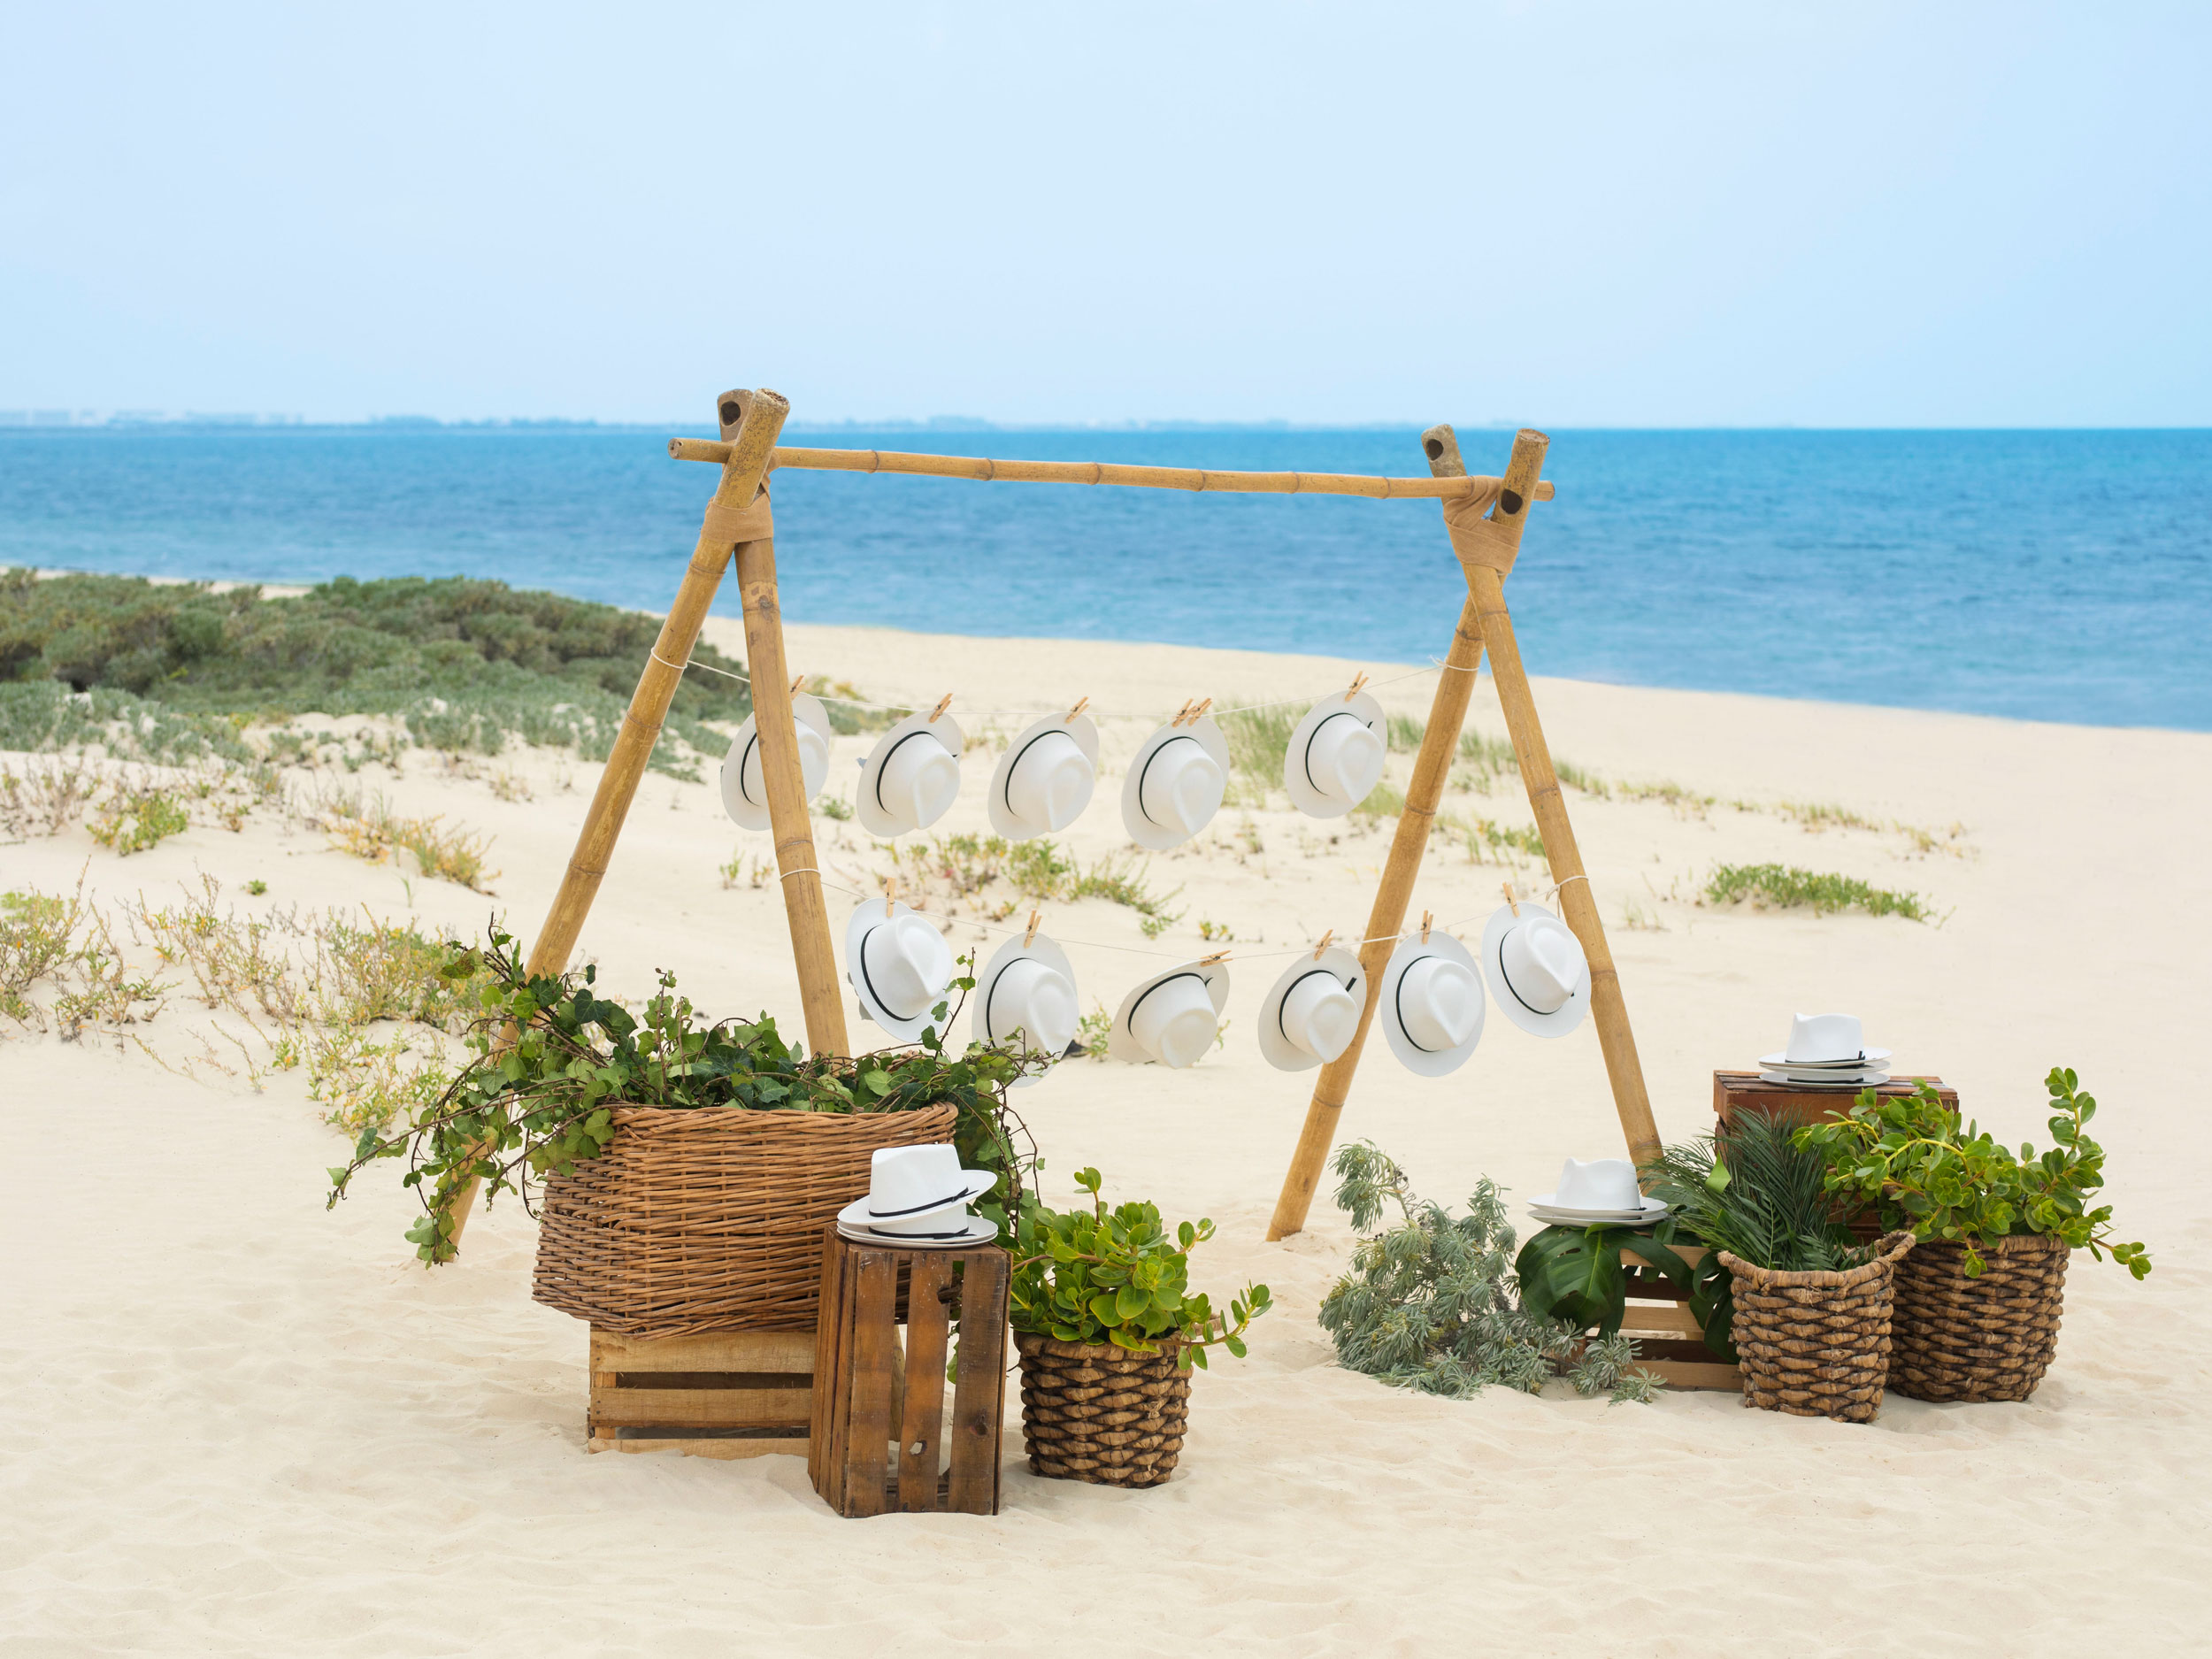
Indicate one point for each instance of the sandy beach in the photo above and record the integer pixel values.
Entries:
(246, 1426)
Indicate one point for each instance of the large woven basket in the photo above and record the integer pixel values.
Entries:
(1099, 1413)
(1816, 1345)
(710, 1219)
(1990, 1338)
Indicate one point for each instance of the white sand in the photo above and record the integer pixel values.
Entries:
(243, 1426)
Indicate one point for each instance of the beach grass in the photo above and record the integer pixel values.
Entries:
(1780, 887)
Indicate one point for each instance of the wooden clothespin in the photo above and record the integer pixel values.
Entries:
(1427, 918)
(1081, 704)
(944, 704)
(1199, 713)
(1217, 957)
(798, 685)
(1324, 945)
(1511, 903)
(1358, 679)
(890, 893)
(1030, 938)
(1181, 714)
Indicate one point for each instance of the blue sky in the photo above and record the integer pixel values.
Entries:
(1572, 214)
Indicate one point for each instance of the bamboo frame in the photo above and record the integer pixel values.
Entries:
(986, 470)
(1484, 608)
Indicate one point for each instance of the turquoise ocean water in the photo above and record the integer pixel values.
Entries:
(2041, 575)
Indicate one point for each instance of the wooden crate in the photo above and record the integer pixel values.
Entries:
(1667, 1336)
(727, 1394)
(1734, 1091)
(868, 1391)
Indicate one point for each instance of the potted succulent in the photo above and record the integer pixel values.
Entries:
(1978, 1300)
(686, 1168)
(1107, 1329)
(1809, 1306)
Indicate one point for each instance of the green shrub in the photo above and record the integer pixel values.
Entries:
(1787, 887)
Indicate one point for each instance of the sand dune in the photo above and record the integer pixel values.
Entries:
(244, 1426)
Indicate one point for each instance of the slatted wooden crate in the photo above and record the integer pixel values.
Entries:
(868, 1393)
(1740, 1091)
(725, 1393)
(1667, 1337)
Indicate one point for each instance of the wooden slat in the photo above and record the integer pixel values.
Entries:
(978, 1398)
(1697, 1374)
(825, 1471)
(701, 1408)
(875, 1355)
(723, 1447)
(713, 1351)
(923, 1420)
(1662, 1316)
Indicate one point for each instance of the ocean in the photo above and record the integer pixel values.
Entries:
(2036, 575)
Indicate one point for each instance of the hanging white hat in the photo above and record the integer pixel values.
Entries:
(898, 966)
(1175, 784)
(1173, 1018)
(1312, 1012)
(1431, 1003)
(1027, 993)
(1536, 969)
(1336, 755)
(744, 792)
(911, 777)
(1044, 779)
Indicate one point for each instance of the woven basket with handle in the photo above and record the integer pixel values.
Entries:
(1987, 1337)
(1091, 1411)
(710, 1219)
(1817, 1345)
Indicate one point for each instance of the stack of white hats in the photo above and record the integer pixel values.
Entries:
(918, 1199)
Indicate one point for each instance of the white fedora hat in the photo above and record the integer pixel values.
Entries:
(1044, 779)
(1176, 783)
(1536, 969)
(898, 966)
(1173, 1018)
(919, 1192)
(1431, 1005)
(1311, 1013)
(1336, 755)
(1027, 993)
(911, 777)
(744, 795)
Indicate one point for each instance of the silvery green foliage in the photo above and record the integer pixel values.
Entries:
(1433, 1304)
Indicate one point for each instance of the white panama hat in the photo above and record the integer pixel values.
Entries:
(1537, 969)
(919, 1195)
(1044, 779)
(744, 795)
(1431, 1006)
(1176, 782)
(1336, 755)
(911, 777)
(1311, 1013)
(1173, 1018)
(1028, 991)
(898, 966)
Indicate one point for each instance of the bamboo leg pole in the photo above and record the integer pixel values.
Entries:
(742, 475)
(804, 907)
(1608, 1011)
(1439, 744)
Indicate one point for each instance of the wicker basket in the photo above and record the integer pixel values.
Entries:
(1816, 1345)
(1990, 1338)
(1100, 1413)
(710, 1219)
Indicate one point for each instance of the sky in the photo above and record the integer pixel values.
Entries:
(1573, 214)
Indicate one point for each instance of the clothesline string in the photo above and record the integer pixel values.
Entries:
(1038, 714)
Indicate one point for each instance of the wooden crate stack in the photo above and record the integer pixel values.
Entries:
(725, 1394)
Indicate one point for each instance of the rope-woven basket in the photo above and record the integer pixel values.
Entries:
(1091, 1411)
(710, 1219)
(1990, 1338)
(1817, 1345)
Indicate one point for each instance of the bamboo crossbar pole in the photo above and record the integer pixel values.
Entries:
(746, 465)
(1576, 903)
(983, 469)
(1432, 769)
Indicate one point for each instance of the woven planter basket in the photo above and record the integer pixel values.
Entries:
(710, 1219)
(1099, 1413)
(1990, 1338)
(1816, 1345)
